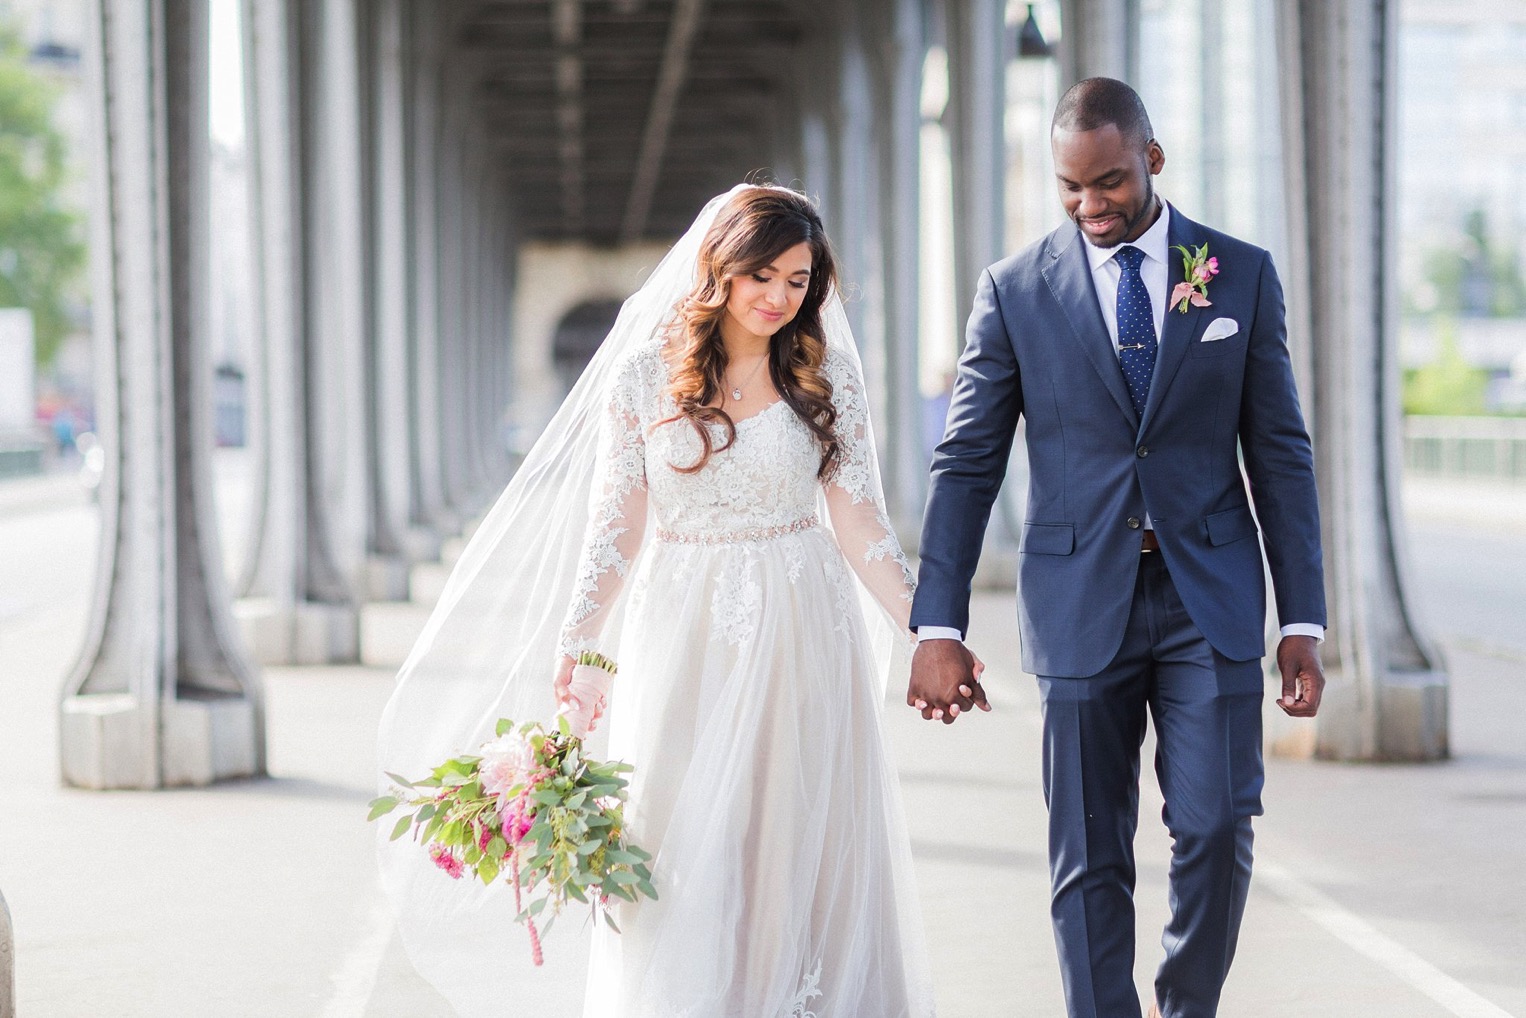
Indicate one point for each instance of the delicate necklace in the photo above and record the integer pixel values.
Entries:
(736, 390)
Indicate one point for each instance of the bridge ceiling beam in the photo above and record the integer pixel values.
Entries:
(592, 106)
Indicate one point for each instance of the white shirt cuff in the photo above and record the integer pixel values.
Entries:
(938, 633)
(1305, 629)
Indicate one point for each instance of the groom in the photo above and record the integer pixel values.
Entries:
(1141, 589)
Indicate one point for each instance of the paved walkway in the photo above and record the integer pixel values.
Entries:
(1381, 892)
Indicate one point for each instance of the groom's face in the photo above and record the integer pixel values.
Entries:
(1105, 182)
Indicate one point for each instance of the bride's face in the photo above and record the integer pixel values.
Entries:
(763, 302)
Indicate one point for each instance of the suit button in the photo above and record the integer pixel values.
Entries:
(1134, 523)
(1142, 451)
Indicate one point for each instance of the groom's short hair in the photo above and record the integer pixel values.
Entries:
(1096, 102)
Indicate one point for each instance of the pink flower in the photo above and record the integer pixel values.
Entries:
(506, 762)
(446, 860)
(1185, 292)
(516, 819)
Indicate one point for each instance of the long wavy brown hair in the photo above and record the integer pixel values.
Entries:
(750, 231)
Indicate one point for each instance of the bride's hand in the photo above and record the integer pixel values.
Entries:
(563, 682)
(572, 704)
(977, 668)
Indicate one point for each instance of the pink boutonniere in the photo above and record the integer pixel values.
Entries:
(1199, 269)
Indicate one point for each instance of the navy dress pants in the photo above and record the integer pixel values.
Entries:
(1207, 715)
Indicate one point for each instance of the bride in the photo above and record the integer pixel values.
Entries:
(721, 497)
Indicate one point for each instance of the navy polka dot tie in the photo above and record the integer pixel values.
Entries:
(1136, 327)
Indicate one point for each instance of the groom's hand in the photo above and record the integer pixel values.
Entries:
(1303, 680)
(945, 681)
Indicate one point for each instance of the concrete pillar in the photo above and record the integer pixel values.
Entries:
(1387, 697)
(820, 60)
(900, 49)
(339, 305)
(475, 172)
(161, 695)
(453, 182)
(395, 540)
(1098, 38)
(297, 605)
(851, 217)
(976, 122)
(428, 504)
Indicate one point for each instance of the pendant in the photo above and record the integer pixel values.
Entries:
(736, 394)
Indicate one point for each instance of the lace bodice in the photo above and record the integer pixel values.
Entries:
(765, 485)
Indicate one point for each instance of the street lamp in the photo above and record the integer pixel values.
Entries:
(1030, 41)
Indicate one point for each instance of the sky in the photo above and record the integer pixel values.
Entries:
(227, 113)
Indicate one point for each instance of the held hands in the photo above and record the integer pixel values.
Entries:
(945, 681)
(1303, 680)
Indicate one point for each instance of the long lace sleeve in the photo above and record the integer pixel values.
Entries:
(856, 501)
(617, 520)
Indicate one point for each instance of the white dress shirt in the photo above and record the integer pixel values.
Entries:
(1106, 272)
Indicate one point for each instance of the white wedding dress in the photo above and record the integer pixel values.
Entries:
(748, 701)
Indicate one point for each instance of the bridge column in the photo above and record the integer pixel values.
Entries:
(453, 181)
(297, 606)
(900, 48)
(395, 539)
(428, 504)
(161, 695)
(1099, 37)
(977, 132)
(1387, 698)
(340, 312)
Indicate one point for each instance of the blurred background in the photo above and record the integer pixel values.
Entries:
(288, 288)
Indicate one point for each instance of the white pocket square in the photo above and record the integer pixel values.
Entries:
(1220, 328)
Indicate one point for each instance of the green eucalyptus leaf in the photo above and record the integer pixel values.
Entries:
(381, 806)
(401, 828)
(398, 779)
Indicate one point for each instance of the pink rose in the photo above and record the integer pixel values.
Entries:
(506, 762)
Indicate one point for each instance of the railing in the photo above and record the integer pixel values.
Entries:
(1466, 447)
(7, 964)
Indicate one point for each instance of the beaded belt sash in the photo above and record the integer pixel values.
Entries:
(740, 536)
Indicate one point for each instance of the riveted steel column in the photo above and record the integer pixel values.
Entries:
(1387, 698)
(162, 694)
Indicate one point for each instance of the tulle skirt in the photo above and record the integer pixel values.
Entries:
(748, 702)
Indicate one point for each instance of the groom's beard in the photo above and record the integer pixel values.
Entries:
(1132, 223)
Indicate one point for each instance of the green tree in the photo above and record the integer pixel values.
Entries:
(1449, 385)
(1476, 278)
(41, 252)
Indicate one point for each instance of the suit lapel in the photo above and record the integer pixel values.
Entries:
(1069, 276)
(1179, 330)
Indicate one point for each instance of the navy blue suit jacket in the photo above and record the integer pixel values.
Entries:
(1037, 348)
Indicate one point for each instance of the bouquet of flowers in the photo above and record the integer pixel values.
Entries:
(531, 807)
